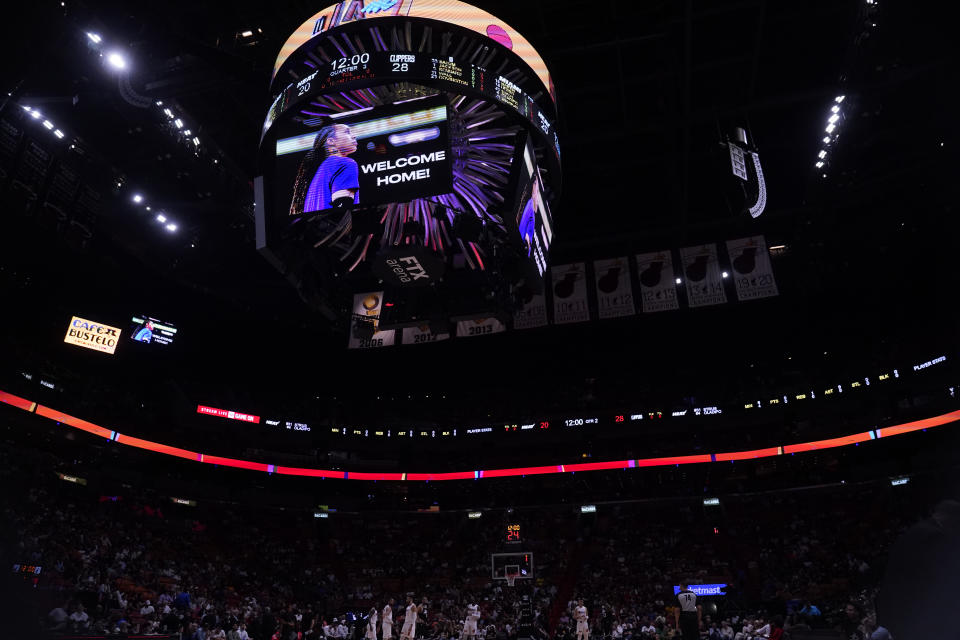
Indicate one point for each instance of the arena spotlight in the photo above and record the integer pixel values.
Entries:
(725, 274)
(822, 154)
(161, 218)
(178, 123)
(48, 124)
(826, 139)
(833, 118)
(679, 281)
(830, 128)
(94, 37)
(116, 60)
(839, 99)
(35, 114)
(58, 133)
(171, 227)
(137, 198)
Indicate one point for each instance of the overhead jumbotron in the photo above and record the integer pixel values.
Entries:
(409, 157)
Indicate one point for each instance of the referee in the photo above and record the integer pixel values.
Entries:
(688, 613)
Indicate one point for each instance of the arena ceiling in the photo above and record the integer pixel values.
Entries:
(647, 90)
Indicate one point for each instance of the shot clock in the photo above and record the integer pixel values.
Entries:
(513, 534)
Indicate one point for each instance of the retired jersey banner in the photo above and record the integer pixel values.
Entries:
(752, 272)
(479, 327)
(614, 291)
(701, 267)
(658, 287)
(422, 335)
(532, 314)
(569, 293)
(366, 309)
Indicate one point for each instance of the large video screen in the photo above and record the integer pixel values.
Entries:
(452, 11)
(533, 218)
(151, 331)
(377, 155)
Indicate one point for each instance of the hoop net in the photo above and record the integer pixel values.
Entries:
(511, 579)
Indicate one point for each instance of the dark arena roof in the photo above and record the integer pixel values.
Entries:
(184, 407)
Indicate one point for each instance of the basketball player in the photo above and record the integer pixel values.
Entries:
(580, 615)
(470, 622)
(687, 614)
(388, 620)
(409, 630)
(371, 632)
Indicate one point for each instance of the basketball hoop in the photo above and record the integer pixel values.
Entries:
(511, 579)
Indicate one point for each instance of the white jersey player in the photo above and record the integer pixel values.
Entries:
(470, 621)
(371, 631)
(580, 615)
(387, 620)
(409, 631)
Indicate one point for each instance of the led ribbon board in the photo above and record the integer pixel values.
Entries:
(704, 589)
(451, 11)
(843, 441)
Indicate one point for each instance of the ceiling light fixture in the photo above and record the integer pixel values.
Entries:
(117, 61)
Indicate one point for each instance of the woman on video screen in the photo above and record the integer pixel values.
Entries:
(332, 175)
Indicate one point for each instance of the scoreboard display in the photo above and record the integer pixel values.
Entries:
(513, 533)
(448, 72)
(408, 144)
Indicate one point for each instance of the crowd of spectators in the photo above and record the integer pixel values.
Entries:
(139, 563)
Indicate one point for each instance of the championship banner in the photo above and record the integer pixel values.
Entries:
(614, 291)
(752, 271)
(366, 309)
(658, 288)
(479, 327)
(422, 335)
(569, 293)
(92, 335)
(532, 314)
(702, 269)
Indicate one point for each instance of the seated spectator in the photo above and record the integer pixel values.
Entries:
(79, 620)
(57, 618)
